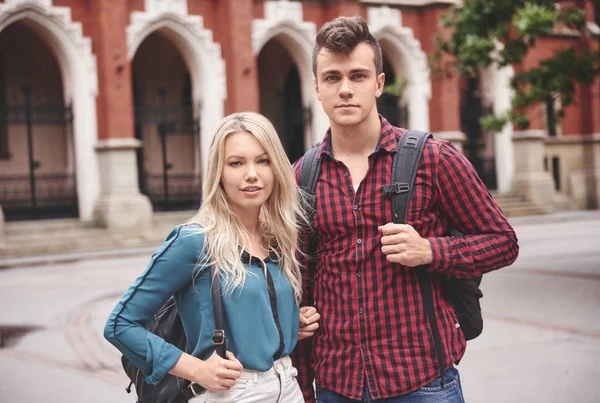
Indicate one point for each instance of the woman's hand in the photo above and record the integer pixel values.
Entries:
(309, 318)
(218, 374)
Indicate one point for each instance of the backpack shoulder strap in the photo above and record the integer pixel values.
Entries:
(310, 169)
(218, 337)
(404, 171)
(309, 175)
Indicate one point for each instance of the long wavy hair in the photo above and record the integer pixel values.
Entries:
(281, 216)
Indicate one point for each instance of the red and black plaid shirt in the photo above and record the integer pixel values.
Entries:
(373, 327)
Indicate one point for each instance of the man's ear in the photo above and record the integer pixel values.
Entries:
(380, 85)
(316, 84)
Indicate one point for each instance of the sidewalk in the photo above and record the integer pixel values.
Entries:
(555, 218)
(541, 340)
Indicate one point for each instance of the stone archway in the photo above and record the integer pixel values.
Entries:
(77, 66)
(407, 58)
(284, 22)
(200, 53)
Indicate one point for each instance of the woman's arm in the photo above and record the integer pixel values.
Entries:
(170, 268)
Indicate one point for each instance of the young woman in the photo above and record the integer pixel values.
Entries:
(247, 230)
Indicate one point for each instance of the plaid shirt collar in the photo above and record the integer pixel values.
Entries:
(388, 139)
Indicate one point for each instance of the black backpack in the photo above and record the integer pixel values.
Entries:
(167, 324)
(462, 293)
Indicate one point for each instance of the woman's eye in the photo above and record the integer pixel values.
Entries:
(264, 161)
(235, 164)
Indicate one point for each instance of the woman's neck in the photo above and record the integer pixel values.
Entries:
(255, 244)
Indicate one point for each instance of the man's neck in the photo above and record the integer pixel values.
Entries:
(358, 140)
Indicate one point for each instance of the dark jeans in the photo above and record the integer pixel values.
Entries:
(430, 393)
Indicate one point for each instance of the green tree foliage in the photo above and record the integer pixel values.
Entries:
(397, 87)
(482, 32)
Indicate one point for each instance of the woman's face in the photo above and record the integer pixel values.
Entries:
(247, 176)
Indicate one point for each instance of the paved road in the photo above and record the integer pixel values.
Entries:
(541, 341)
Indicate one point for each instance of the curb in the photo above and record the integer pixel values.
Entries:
(57, 258)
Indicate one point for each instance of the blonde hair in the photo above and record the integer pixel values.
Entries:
(280, 216)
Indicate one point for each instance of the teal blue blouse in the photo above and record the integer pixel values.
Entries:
(251, 330)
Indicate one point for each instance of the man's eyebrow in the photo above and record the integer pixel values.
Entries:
(331, 71)
(359, 70)
(353, 71)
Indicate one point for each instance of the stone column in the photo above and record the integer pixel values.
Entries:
(2, 236)
(121, 208)
(456, 138)
(592, 156)
(530, 177)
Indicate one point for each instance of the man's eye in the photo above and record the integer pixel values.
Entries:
(359, 76)
(331, 78)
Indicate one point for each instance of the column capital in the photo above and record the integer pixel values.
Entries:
(115, 144)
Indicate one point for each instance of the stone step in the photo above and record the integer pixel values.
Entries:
(25, 247)
(45, 226)
(508, 197)
(514, 203)
(60, 234)
(525, 210)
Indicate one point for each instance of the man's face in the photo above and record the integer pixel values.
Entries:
(348, 85)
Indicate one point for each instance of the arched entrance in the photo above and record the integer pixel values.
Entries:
(165, 123)
(392, 104)
(37, 164)
(406, 58)
(281, 97)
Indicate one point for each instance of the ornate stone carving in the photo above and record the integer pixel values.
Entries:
(406, 55)
(54, 18)
(280, 15)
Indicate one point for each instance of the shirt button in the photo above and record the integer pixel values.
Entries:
(359, 274)
(364, 346)
(361, 311)
(345, 174)
(355, 207)
(359, 241)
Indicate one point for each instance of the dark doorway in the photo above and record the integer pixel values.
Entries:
(281, 97)
(476, 148)
(168, 161)
(37, 175)
(390, 105)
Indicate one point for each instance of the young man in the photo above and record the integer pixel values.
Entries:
(375, 341)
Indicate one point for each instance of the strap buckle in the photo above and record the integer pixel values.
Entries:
(196, 389)
(218, 337)
(396, 187)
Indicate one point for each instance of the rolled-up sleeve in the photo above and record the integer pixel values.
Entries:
(488, 241)
(171, 267)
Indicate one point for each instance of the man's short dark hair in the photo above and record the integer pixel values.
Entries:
(341, 35)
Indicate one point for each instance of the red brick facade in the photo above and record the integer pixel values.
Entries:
(226, 44)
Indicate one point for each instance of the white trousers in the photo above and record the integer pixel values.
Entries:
(277, 385)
